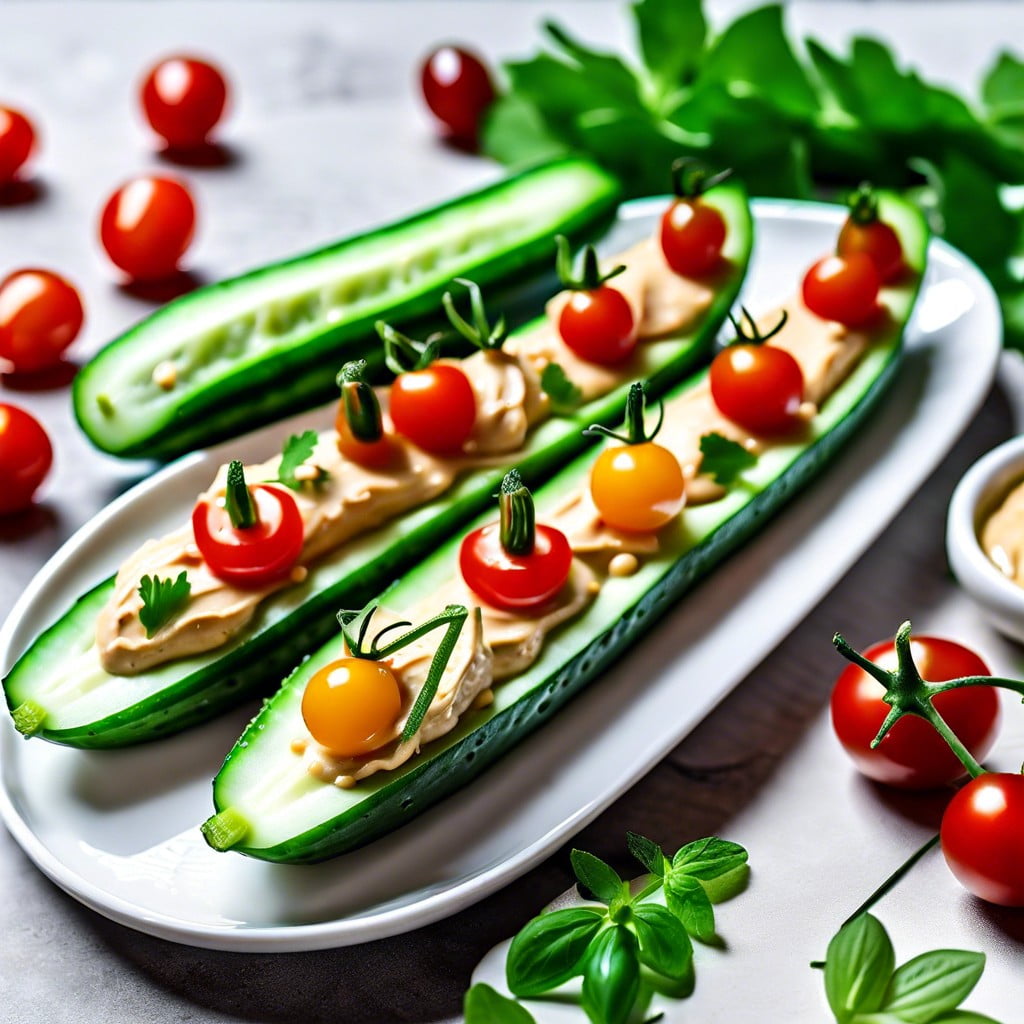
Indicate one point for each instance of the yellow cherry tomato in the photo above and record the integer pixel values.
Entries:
(637, 488)
(350, 706)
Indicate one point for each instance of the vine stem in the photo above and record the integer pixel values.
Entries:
(893, 879)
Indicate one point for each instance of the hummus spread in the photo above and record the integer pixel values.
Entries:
(1002, 536)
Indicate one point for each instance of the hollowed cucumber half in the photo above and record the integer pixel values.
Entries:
(57, 689)
(269, 807)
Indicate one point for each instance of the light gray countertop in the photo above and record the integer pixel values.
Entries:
(330, 138)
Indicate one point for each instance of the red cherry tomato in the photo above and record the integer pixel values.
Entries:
(913, 755)
(692, 234)
(983, 838)
(256, 555)
(17, 140)
(183, 98)
(435, 408)
(597, 324)
(40, 315)
(505, 580)
(147, 225)
(458, 90)
(843, 288)
(25, 458)
(760, 387)
(877, 241)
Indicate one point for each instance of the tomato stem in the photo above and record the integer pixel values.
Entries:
(690, 178)
(636, 429)
(238, 501)
(747, 331)
(863, 204)
(403, 354)
(589, 277)
(891, 882)
(362, 410)
(480, 332)
(518, 527)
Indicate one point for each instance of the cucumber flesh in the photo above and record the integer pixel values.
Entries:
(257, 347)
(295, 818)
(84, 706)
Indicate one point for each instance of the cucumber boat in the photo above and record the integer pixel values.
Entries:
(234, 355)
(59, 691)
(269, 806)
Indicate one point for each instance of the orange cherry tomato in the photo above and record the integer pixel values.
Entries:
(183, 98)
(692, 234)
(637, 488)
(25, 458)
(760, 387)
(147, 225)
(17, 140)
(371, 454)
(435, 408)
(843, 288)
(351, 706)
(40, 315)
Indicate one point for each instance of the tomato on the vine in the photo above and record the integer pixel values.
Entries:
(458, 90)
(983, 837)
(40, 315)
(913, 755)
(351, 705)
(515, 563)
(843, 288)
(17, 140)
(147, 225)
(25, 458)
(864, 231)
(183, 98)
(254, 536)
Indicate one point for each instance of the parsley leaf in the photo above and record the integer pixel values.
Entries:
(556, 385)
(162, 599)
(296, 450)
(724, 460)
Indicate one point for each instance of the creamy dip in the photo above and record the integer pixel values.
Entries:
(1002, 536)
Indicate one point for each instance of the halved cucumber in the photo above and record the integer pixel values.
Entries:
(254, 348)
(57, 689)
(269, 807)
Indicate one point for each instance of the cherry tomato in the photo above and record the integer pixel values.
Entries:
(692, 234)
(371, 454)
(983, 838)
(913, 755)
(877, 241)
(458, 90)
(597, 324)
(183, 98)
(637, 488)
(25, 458)
(435, 408)
(17, 140)
(40, 315)
(351, 706)
(505, 580)
(147, 225)
(256, 555)
(843, 288)
(760, 387)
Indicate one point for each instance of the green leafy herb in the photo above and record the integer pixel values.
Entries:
(483, 1005)
(724, 460)
(565, 396)
(611, 976)
(550, 949)
(297, 449)
(864, 986)
(601, 879)
(162, 599)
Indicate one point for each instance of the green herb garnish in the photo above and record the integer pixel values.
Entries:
(297, 449)
(565, 396)
(162, 599)
(724, 460)
(483, 1005)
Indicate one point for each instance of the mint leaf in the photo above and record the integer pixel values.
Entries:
(483, 1005)
(600, 878)
(556, 385)
(724, 460)
(550, 949)
(297, 449)
(932, 984)
(671, 35)
(647, 851)
(664, 945)
(688, 901)
(858, 967)
(162, 599)
(611, 976)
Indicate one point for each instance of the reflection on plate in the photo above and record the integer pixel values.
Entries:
(118, 830)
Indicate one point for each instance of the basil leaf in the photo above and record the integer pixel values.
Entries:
(648, 852)
(689, 902)
(549, 950)
(1003, 88)
(600, 878)
(515, 134)
(664, 945)
(609, 75)
(611, 976)
(709, 858)
(858, 966)
(483, 1005)
(671, 34)
(932, 984)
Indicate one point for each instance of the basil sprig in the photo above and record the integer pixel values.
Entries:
(864, 986)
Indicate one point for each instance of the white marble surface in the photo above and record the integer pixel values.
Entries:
(330, 138)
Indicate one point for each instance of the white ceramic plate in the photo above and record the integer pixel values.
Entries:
(117, 830)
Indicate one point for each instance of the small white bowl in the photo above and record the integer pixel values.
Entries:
(976, 497)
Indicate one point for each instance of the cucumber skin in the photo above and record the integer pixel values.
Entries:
(292, 381)
(445, 773)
